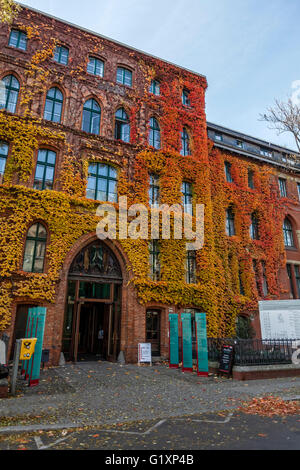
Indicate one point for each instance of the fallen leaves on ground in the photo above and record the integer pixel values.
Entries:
(270, 406)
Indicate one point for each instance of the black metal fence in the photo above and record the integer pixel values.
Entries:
(250, 352)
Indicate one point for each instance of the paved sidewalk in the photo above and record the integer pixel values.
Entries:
(103, 393)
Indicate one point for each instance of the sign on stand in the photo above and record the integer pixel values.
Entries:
(173, 341)
(226, 361)
(187, 346)
(202, 349)
(35, 329)
(145, 353)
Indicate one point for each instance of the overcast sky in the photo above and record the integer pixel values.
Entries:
(247, 49)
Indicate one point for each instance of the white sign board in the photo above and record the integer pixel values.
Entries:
(2, 352)
(280, 319)
(145, 353)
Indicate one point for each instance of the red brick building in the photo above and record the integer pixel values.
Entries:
(85, 120)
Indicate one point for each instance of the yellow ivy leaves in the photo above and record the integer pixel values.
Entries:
(24, 136)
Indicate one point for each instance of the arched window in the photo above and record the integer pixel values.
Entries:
(35, 249)
(185, 143)
(102, 182)
(45, 168)
(9, 92)
(254, 227)
(122, 126)
(288, 233)
(91, 117)
(154, 134)
(230, 222)
(53, 105)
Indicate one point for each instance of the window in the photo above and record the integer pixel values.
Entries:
(35, 248)
(45, 168)
(186, 98)
(241, 285)
(239, 144)
(61, 55)
(244, 328)
(185, 143)
(288, 233)
(9, 92)
(154, 253)
(228, 172)
(154, 190)
(265, 282)
(95, 67)
(190, 268)
(155, 87)
(297, 276)
(3, 158)
(18, 39)
(102, 182)
(187, 197)
(91, 117)
(255, 269)
(290, 276)
(266, 153)
(298, 187)
(124, 76)
(251, 179)
(254, 227)
(230, 225)
(154, 134)
(282, 187)
(153, 331)
(122, 126)
(53, 105)
(218, 137)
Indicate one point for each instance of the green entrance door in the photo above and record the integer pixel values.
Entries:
(93, 311)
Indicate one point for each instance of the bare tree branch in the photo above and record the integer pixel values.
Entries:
(284, 117)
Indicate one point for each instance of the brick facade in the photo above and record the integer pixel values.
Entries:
(77, 87)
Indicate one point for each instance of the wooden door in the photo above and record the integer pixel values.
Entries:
(153, 330)
(75, 336)
(113, 333)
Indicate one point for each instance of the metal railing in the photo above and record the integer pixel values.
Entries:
(249, 352)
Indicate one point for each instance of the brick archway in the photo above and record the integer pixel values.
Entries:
(61, 299)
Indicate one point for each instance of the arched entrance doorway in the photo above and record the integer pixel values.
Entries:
(93, 311)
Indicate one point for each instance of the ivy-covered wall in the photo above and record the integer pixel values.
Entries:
(68, 215)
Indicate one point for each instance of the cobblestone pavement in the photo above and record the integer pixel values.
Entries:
(101, 393)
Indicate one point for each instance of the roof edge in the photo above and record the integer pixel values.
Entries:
(119, 43)
(251, 138)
